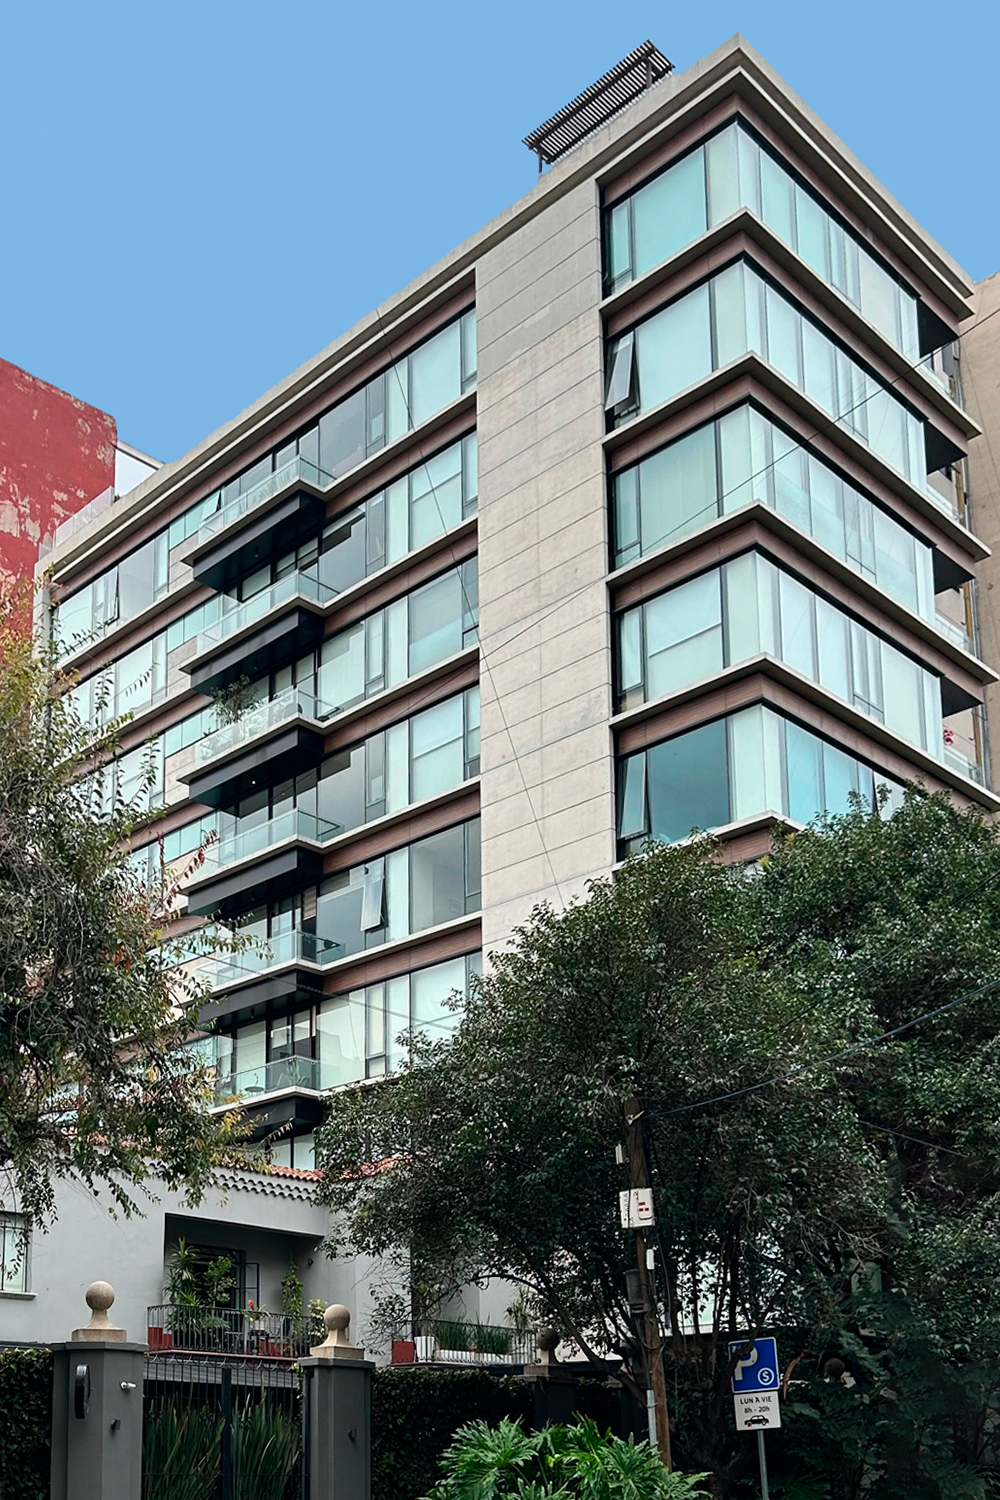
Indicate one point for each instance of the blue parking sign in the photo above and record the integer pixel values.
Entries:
(758, 1368)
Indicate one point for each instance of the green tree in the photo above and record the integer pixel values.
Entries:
(686, 983)
(94, 1082)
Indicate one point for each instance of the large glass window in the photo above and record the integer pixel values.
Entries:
(750, 606)
(734, 170)
(419, 757)
(751, 763)
(744, 457)
(406, 637)
(421, 885)
(737, 311)
(365, 1033)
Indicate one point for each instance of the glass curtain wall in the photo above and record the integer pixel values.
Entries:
(731, 171)
(750, 606)
(403, 397)
(413, 511)
(422, 756)
(399, 641)
(738, 311)
(409, 635)
(365, 1033)
(752, 762)
(421, 885)
(743, 457)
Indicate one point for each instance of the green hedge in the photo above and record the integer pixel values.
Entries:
(25, 1423)
(416, 1412)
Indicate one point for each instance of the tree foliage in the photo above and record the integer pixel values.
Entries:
(687, 984)
(93, 1084)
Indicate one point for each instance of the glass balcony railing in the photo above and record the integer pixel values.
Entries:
(943, 492)
(282, 948)
(268, 1078)
(946, 380)
(259, 719)
(295, 586)
(954, 758)
(954, 632)
(246, 841)
(296, 469)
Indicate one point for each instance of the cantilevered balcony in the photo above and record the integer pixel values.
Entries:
(282, 733)
(273, 628)
(261, 863)
(275, 1077)
(278, 512)
(270, 953)
(954, 632)
(279, 974)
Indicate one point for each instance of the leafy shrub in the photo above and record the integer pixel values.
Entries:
(487, 1339)
(416, 1413)
(181, 1452)
(26, 1423)
(265, 1451)
(558, 1463)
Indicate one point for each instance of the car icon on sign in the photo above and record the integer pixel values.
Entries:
(760, 1420)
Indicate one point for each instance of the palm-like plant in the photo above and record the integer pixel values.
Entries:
(558, 1463)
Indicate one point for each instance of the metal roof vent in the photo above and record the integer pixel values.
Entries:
(619, 88)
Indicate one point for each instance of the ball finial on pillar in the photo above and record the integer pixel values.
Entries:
(337, 1345)
(99, 1295)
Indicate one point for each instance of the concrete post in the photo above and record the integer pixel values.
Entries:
(97, 1409)
(337, 1414)
(554, 1387)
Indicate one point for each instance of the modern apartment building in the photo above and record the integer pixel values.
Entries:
(643, 510)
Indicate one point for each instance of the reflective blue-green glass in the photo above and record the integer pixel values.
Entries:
(743, 457)
(734, 170)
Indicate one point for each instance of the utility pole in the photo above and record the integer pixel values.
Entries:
(638, 1176)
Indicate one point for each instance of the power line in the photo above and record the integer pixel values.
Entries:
(483, 656)
(834, 1057)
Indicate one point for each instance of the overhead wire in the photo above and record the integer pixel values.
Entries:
(831, 1059)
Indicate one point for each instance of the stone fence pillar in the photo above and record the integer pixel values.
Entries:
(554, 1387)
(337, 1414)
(97, 1409)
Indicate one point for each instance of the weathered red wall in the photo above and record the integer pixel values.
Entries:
(56, 453)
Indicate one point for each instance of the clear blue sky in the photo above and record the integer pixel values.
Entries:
(196, 197)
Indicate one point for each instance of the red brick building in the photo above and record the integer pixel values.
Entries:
(56, 454)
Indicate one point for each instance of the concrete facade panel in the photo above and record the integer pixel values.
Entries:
(540, 427)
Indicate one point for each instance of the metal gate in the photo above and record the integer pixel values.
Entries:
(222, 1429)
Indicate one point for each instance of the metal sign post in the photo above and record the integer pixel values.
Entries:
(755, 1394)
(763, 1466)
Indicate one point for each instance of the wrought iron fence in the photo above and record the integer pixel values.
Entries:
(235, 1331)
(221, 1429)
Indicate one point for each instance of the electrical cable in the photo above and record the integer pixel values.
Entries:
(834, 1057)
